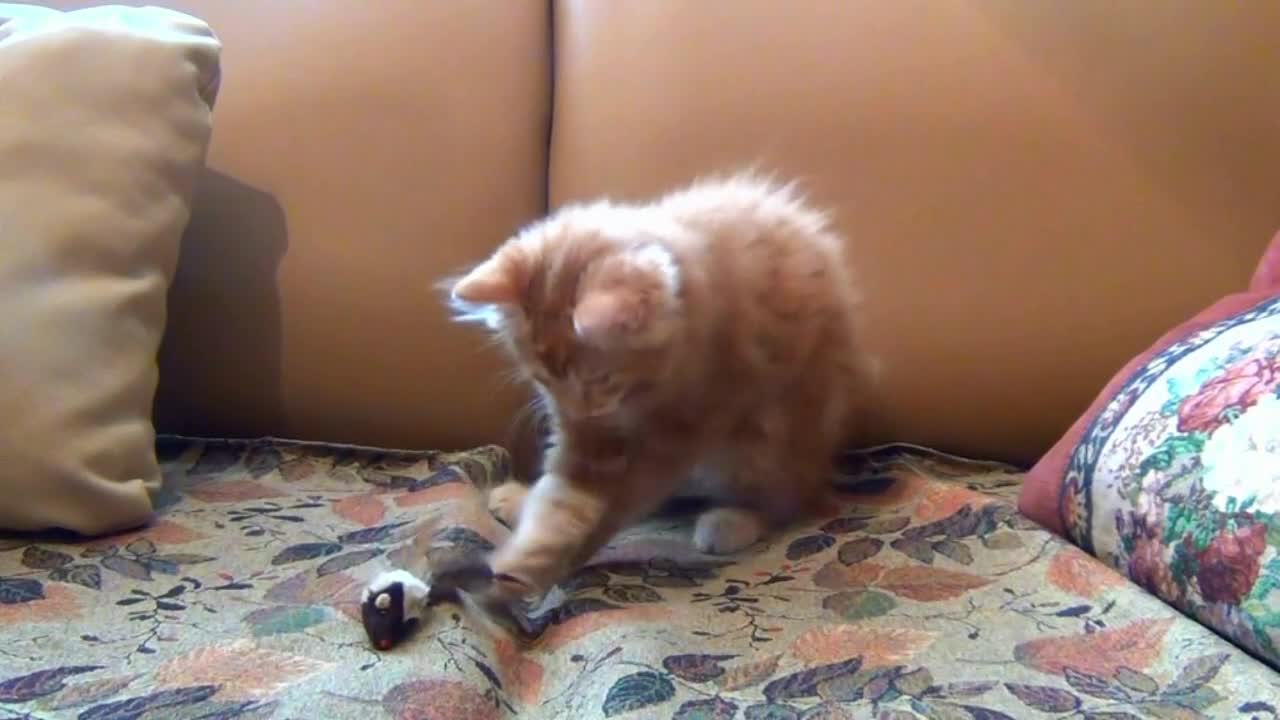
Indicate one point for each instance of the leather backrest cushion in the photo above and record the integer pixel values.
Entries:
(360, 151)
(1033, 192)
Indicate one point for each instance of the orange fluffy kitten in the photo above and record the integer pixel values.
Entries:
(701, 344)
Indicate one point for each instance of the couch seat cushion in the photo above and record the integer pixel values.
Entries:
(922, 594)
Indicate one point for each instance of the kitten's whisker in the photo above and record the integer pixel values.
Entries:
(512, 376)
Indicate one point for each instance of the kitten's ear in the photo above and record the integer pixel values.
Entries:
(635, 305)
(496, 281)
(601, 317)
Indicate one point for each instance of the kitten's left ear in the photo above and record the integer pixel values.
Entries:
(603, 316)
(635, 305)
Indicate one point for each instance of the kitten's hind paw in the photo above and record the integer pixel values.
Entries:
(726, 530)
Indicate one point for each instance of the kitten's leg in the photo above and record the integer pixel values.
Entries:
(727, 530)
(557, 524)
(775, 474)
(506, 500)
(563, 523)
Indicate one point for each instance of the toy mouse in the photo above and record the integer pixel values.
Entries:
(396, 601)
(391, 606)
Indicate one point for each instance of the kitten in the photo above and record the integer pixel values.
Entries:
(704, 343)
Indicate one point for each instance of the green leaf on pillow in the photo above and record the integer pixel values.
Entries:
(1268, 581)
(1173, 447)
(1203, 535)
(1260, 634)
(1183, 565)
(1181, 521)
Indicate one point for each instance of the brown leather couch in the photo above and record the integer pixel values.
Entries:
(1033, 191)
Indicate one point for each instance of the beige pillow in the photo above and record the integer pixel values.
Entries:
(105, 116)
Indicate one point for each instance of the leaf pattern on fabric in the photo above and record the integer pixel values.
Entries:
(837, 576)
(876, 645)
(38, 558)
(523, 676)
(859, 605)
(803, 547)
(920, 594)
(91, 691)
(632, 594)
(306, 588)
(233, 491)
(347, 561)
(696, 668)
(1197, 673)
(284, 620)
(40, 683)
(365, 509)
(84, 575)
(434, 698)
(376, 534)
(306, 551)
(771, 711)
(636, 691)
(856, 551)
(241, 670)
(14, 590)
(706, 709)
(1071, 570)
(749, 674)
(1045, 698)
(162, 700)
(1101, 653)
(56, 603)
(129, 567)
(164, 532)
(804, 684)
(929, 584)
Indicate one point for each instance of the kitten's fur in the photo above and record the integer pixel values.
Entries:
(702, 344)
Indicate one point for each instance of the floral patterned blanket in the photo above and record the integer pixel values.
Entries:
(922, 594)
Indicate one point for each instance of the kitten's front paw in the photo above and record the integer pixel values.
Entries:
(724, 531)
(505, 502)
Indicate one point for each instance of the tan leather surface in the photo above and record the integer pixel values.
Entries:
(1034, 191)
(360, 151)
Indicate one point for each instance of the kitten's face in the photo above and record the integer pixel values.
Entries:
(589, 307)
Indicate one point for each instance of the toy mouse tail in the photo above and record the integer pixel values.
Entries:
(494, 616)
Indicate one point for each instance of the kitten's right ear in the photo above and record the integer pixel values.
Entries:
(496, 281)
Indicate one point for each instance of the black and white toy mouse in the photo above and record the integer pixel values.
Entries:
(391, 606)
(397, 600)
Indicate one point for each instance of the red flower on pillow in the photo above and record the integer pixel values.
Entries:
(1148, 568)
(1237, 388)
(1229, 565)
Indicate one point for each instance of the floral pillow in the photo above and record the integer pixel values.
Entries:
(1173, 475)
